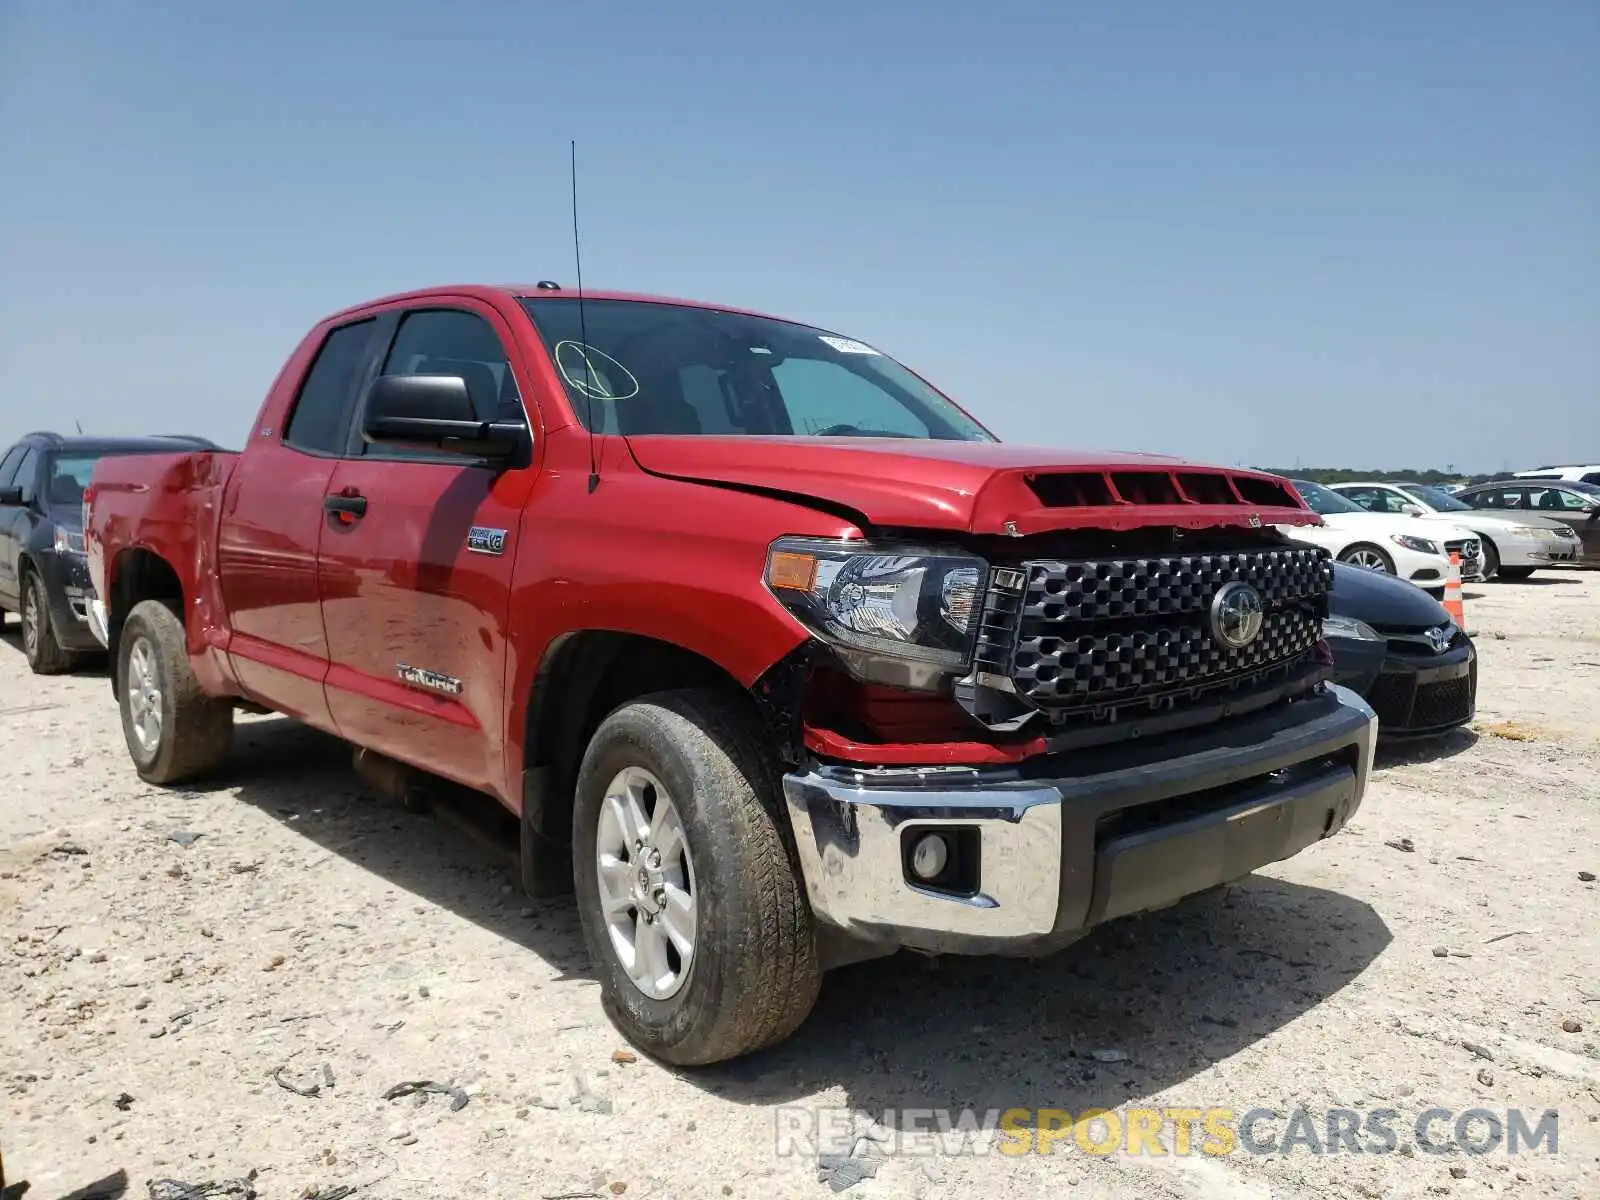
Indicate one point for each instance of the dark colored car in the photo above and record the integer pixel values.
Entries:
(43, 576)
(1397, 647)
(1572, 501)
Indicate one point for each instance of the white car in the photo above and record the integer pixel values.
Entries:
(1583, 473)
(1514, 544)
(1406, 546)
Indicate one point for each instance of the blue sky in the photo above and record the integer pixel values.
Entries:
(1355, 233)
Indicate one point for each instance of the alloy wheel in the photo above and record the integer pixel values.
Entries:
(1371, 560)
(646, 883)
(30, 623)
(144, 695)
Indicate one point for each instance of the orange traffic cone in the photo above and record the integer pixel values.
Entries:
(1452, 593)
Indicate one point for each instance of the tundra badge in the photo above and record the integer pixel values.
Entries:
(432, 680)
(483, 540)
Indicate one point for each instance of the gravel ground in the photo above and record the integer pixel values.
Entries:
(156, 997)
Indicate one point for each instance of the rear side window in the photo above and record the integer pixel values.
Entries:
(317, 421)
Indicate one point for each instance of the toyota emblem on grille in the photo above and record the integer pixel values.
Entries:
(1439, 638)
(1236, 615)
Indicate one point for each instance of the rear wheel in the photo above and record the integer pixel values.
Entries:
(44, 652)
(173, 729)
(1368, 556)
(691, 906)
(1516, 572)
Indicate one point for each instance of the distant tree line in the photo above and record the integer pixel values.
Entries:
(1406, 475)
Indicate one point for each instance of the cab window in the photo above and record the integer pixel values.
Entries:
(447, 341)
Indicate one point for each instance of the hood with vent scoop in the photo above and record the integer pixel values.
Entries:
(980, 487)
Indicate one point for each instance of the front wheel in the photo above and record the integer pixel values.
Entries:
(691, 906)
(174, 730)
(1367, 556)
(44, 653)
(1491, 560)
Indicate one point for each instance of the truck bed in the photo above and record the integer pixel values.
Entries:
(167, 504)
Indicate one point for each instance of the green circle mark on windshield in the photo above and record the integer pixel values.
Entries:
(597, 382)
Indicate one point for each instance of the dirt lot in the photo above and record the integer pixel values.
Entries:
(150, 990)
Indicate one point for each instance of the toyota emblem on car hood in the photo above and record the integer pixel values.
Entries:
(1236, 615)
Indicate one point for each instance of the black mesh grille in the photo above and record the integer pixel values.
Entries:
(1074, 634)
(1391, 697)
(1137, 587)
(1446, 703)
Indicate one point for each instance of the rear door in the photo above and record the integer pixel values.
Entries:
(416, 586)
(16, 520)
(272, 519)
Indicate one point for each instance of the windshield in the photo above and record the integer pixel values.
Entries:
(1322, 501)
(1436, 497)
(672, 368)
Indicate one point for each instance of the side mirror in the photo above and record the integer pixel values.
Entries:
(1410, 510)
(435, 412)
(11, 496)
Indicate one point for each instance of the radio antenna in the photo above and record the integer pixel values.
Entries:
(583, 328)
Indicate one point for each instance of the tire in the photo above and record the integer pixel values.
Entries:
(1491, 559)
(1365, 554)
(45, 655)
(1517, 572)
(192, 731)
(752, 974)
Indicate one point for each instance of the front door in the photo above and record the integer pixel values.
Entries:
(415, 569)
(13, 525)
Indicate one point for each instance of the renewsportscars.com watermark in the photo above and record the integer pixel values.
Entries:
(1213, 1132)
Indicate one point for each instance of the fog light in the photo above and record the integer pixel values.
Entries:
(929, 856)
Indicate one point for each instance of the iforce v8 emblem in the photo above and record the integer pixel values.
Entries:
(483, 540)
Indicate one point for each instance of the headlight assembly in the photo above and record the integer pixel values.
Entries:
(1420, 545)
(905, 603)
(1351, 629)
(68, 542)
(1543, 532)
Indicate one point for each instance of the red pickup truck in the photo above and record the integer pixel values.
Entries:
(782, 658)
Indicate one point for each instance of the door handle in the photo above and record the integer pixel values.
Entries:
(346, 507)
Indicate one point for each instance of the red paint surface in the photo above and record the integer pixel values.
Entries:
(311, 615)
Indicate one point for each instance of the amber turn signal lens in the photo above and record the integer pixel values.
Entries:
(789, 570)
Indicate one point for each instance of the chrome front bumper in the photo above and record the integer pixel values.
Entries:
(1539, 552)
(1106, 832)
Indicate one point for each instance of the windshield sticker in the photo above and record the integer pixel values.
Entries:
(587, 372)
(848, 345)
